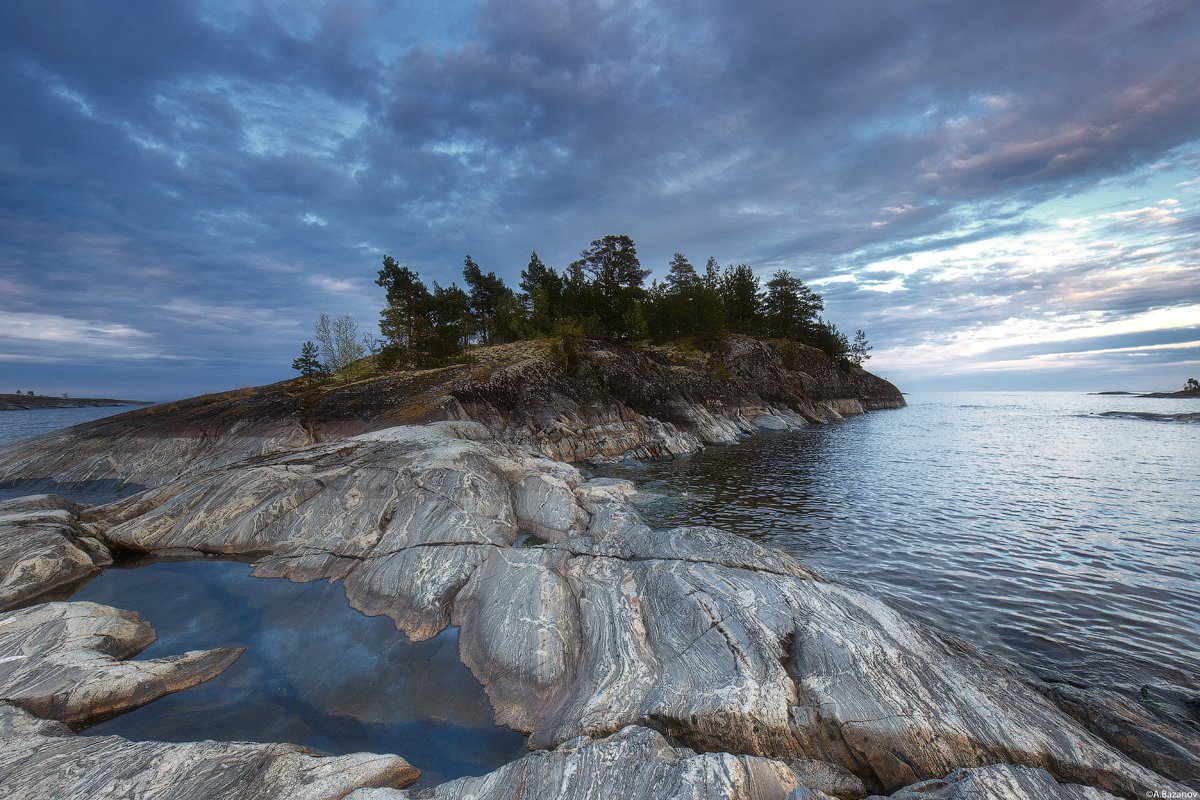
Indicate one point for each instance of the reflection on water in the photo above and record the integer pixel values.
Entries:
(1025, 522)
(315, 671)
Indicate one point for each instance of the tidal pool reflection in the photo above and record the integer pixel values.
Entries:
(315, 672)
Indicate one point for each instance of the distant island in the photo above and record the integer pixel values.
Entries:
(24, 402)
(1191, 388)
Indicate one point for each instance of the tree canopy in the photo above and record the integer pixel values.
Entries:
(602, 294)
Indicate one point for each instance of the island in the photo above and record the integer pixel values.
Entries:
(24, 402)
(640, 663)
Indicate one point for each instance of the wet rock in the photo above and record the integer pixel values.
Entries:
(702, 635)
(633, 764)
(999, 781)
(1161, 732)
(41, 759)
(66, 661)
(44, 549)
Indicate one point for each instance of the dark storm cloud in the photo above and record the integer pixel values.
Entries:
(195, 181)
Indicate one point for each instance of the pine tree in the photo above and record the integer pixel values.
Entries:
(308, 363)
(543, 289)
(791, 308)
(741, 295)
(493, 305)
(616, 277)
(860, 349)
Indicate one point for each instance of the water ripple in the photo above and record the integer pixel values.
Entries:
(1035, 525)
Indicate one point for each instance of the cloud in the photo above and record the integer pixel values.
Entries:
(216, 168)
(49, 337)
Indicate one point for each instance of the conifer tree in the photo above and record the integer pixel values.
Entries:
(543, 289)
(742, 297)
(860, 349)
(617, 277)
(790, 307)
(308, 363)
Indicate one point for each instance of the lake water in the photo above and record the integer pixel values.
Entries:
(315, 671)
(1029, 523)
(21, 424)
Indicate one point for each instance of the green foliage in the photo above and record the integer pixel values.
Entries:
(741, 297)
(616, 291)
(497, 313)
(825, 336)
(600, 295)
(790, 308)
(421, 328)
(788, 353)
(308, 363)
(860, 348)
(686, 306)
(543, 291)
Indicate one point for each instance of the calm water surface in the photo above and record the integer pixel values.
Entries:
(23, 423)
(315, 671)
(1027, 523)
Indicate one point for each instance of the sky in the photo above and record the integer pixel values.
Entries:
(1004, 195)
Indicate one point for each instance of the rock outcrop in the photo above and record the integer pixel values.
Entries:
(633, 764)
(999, 781)
(641, 663)
(68, 661)
(40, 759)
(44, 549)
(704, 636)
(610, 403)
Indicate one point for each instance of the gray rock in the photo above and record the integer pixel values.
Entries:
(826, 779)
(999, 781)
(1159, 732)
(65, 661)
(40, 759)
(703, 635)
(43, 549)
(633, 764)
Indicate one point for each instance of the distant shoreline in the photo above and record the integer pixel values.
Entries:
(27, 402)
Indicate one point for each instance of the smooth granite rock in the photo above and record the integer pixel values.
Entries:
(1000, 781)
(699, 634)
(633, 764)
(41, 759)
(66, 661)
(44, 549)
(1162, 731)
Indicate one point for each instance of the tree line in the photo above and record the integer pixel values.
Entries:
(601, 295)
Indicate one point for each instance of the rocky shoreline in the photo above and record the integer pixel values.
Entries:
(26, 402)
(641, 663)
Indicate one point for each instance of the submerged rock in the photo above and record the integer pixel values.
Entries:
(67, 661)
(41, 759)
